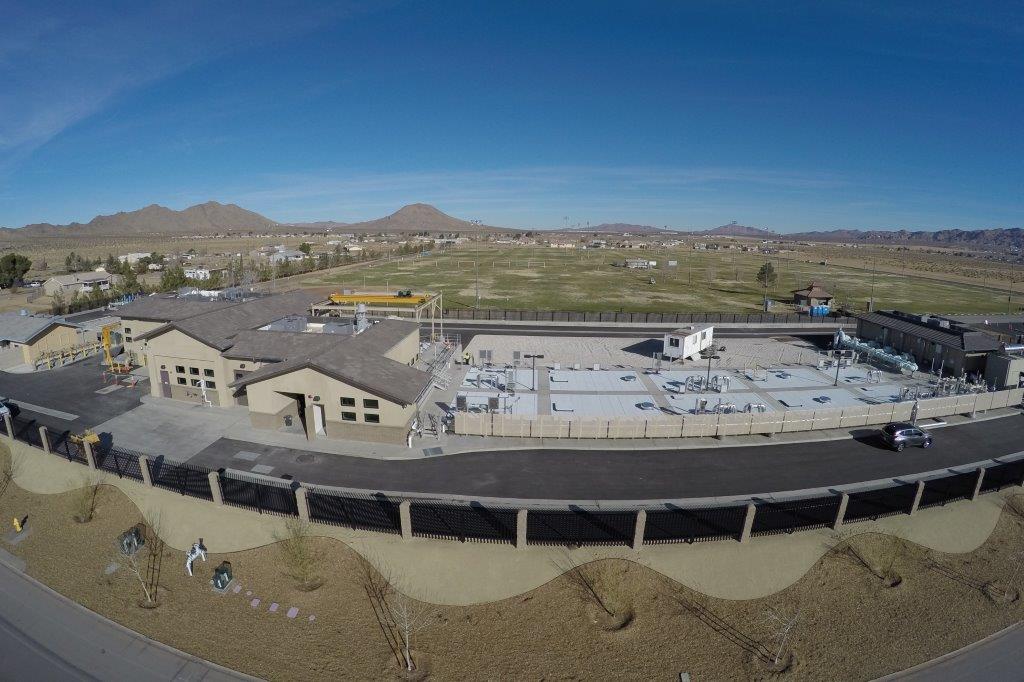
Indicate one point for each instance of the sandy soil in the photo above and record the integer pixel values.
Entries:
(848, 625)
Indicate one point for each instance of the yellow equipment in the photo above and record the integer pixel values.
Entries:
(378, 299)
(115, 367)
(86, 437)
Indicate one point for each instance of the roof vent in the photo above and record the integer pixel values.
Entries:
(944, 324)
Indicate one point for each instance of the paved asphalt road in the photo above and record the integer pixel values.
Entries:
(45, 637)
(72, 390)
(998, 657)
(636, 474)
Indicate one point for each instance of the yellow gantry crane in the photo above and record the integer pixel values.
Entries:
(115, 367)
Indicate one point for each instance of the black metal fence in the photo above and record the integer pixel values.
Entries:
(875, 504)
(61, 444)
(677, 524)
(475, 521)
(638, 318)
(125, 463)
(772, 518)
(940, 491)
(370, 512)
(577, 526)
(260, 495)
(181, 477)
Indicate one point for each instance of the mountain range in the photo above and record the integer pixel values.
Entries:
(213, 218)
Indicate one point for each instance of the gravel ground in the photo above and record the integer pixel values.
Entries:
(848, 624)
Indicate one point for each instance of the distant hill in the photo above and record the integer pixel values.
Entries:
(216, 218)
(420, 217)
(991, 239)
(734, 230)
(208, 218)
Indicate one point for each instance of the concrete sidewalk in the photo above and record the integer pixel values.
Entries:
(45, 636)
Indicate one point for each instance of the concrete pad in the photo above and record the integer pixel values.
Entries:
(254, 603)
(273, 607)
(262, 469)
(109, 389)
(816, 399)
(292, 612)
(171, 428)
(247, 455)
(607, 405)
(575, 381)
(14, 539)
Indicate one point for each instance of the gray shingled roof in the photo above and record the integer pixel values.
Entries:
(25, 328)
(955, 336)
(355, 360)
(218, 327)
(168, 309)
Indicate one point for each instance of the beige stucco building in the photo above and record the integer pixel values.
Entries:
(294, 376)
(34, 335)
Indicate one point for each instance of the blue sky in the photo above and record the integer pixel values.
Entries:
(789, 116)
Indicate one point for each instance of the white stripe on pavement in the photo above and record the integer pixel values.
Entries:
(66, 416)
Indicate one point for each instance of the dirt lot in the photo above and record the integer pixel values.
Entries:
(848, 623)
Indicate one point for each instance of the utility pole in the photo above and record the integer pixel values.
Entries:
(476, 268)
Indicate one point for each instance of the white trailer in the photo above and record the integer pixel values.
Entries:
(688, 342)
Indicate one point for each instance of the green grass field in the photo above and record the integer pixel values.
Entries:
(543, 278)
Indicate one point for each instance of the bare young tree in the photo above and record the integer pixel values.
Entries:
(9, 468)
(782, 628)
(400, 617)
(881, 563)
(594, 585)
(86, 497)
(300, 557)
(135, 561)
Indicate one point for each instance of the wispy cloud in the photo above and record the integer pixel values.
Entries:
(59, 67)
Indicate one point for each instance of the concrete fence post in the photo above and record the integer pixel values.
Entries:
(844, 500)
(521, 529)
(748, 522)
(917, 497)
(218, 495)
(405, 519)
(302, 503)
(638, 529)
(45, 437)
(9, 424)
(147, 477)
(90, 456)
(977, 484)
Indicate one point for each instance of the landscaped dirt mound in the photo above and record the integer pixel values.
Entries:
(845, 625)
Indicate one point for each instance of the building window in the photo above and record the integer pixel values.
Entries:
(673, 342)
(193, 371)
(208, 372)
(196, 382)
(127, 330)
(127, 339)
(179, 369)
(348, 402)
(348, 416)
(370, 404)
(182, 381)
(371, 418)
(239, 375)
(210, 384)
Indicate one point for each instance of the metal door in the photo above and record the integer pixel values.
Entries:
(165, 383)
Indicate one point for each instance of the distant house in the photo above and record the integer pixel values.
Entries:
(283, 255)
(640, 263)
(81, 282)
(132, 258)
(197, 273)
(813, 295)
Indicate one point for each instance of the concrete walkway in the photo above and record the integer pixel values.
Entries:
(997, 657)
(45, 637)
(447, 572)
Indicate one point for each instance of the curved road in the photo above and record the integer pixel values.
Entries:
(638, 474)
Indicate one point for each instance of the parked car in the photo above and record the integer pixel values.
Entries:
(899, 435)
(8, 408)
